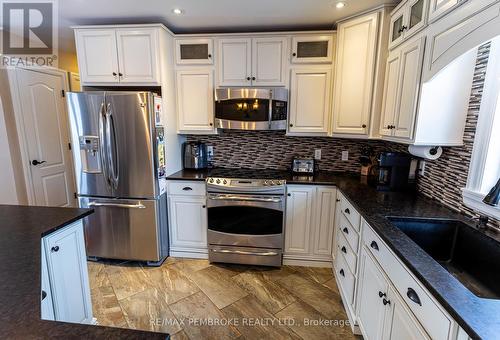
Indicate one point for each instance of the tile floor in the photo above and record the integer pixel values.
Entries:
(192, 299)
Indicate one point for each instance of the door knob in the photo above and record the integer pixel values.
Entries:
(36, 162)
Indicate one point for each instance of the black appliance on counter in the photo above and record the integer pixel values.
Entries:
(195, 155)
(394, 172)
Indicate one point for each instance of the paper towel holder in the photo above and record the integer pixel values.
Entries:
(426, 152)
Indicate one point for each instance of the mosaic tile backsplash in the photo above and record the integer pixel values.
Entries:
(442, 180)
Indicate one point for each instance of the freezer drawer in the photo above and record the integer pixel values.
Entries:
(126, 229)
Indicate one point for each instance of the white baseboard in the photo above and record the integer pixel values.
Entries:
(290, 261)
(188, 254)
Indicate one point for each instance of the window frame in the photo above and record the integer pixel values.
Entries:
(471, 194)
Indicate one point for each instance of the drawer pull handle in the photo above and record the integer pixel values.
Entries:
(342, 272)
(345, 230)
(386, 302)
(54, 249)
(44, 295)
(413, 296)
(347, 211)
(374, 245)
(344, 250)
(187, 189)
(381, 295)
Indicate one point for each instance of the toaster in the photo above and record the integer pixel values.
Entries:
(305, 166)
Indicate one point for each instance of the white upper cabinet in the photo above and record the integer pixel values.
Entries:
(195, 100)
(138, 56)
(118, 56)
(268, 61)
(194, 51)
(355, 71)
(235, 62)
(439, 7)
(252, 61)
(402, 89)
(310, 92)
(97, 55)
(407, 19)
(312, 49)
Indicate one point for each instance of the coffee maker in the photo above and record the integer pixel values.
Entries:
(394, 171)
(195, 155)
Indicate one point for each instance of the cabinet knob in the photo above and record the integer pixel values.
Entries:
(294, 54)
(211, 124)
(253, 78)
(115, 74)
(209, 56)
(44, 295)
(248, 78)
(344, 250)
(289, 195)
(342, 272)
(363, 126)
(386, 302)
(120, 74)
(374, 245)
(345, 230)
(203, 206)
(291, 125)
(347, 211)
(381, 295)
(337, 200)
(54, 249)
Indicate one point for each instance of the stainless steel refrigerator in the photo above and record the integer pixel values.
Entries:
(118, 151)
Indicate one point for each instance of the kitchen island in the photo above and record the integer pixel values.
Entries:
(22, 228)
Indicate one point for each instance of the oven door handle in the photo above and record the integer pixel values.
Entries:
(117, 205)
(241, 252)
(247, 199)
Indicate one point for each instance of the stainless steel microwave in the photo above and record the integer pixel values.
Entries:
(251, 109)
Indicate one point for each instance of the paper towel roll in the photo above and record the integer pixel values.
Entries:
(426, 152)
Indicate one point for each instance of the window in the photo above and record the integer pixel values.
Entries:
(484, 171)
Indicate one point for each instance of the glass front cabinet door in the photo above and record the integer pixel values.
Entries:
(407, 20)
(312, 49)
(194, 51)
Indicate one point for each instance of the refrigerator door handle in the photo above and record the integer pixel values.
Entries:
(114, 160)
(103, 143)
(117, 205)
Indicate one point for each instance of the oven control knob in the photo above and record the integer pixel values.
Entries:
(272, 183)
(211, 180)
(225, 182)
(266, 182)
(217, 181)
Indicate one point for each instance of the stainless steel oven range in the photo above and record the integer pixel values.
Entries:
(246, 220)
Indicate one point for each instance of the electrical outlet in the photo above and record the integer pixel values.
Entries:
(345, 155)
(317, 154)
(210, 153)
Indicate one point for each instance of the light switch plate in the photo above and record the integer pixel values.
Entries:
(345, 155)
(317, 154)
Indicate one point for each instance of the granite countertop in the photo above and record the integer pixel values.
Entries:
(479, 317)
(21, 231)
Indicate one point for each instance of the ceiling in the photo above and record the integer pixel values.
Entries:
(202, 16)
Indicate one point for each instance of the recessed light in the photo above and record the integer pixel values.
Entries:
(340, 5)
(178, 11)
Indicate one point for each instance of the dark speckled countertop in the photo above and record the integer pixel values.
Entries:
(479, 317)
(21, 231)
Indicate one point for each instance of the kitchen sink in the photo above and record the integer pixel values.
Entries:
(466, 253)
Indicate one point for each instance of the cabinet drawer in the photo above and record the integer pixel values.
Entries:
(186, 188)
(349, 233)
(350, 213)
(351, 258)
(345, 279)
(433, 319)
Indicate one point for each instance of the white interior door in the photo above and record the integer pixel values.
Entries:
(45, 126)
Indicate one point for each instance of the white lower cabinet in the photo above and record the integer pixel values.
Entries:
(310, 217)
(187, 219)
(65, 278)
